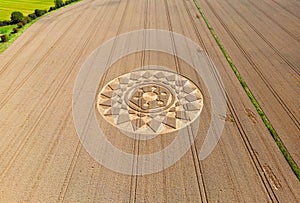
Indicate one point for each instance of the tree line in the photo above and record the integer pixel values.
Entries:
(17, 17)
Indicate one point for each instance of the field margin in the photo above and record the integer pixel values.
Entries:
(13, 37)
(255, 103)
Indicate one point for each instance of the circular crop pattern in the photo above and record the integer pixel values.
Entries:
(150, 102)
(155, 98)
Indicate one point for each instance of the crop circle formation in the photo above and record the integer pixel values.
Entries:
(150, 102)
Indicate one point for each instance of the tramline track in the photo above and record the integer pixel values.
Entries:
(230, 32)
(41, 28)
(256, 68)
(79, 146)
(136, 147)
(239, 125)
(6, 99)
(291, 65)
(44, 159)
(198, 168)
(287, 10)
(52, 97)
(36, 66)
(275, 22)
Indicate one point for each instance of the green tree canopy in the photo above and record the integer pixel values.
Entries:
(16, 17)
(59, 3)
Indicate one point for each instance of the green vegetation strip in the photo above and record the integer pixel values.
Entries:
(8, 30)
(259, 110)
(25, 6)
(12, 37)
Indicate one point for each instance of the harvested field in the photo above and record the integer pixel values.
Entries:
(265, 48)
(43, 159)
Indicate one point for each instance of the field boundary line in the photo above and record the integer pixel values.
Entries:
(257, 106)
(12, 39)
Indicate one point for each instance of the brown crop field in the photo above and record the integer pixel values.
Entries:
(44, 158)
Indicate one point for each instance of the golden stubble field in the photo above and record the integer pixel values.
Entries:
(42, 158)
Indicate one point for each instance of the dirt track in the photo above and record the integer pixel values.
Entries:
(43, 160)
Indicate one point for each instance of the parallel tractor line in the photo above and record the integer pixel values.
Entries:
(275, 22)
(257, 106)
(287, 10)
(257, 70)
(255, 160)
(45, 56)
(41, 28)
(198, 171)
(48, 156)
(28, 76)
(56, 137)
(171, 36)
(79, 146)
(137, 145)
(289, 63)
(41, 114)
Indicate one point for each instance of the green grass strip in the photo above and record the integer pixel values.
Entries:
(12, 37)
(259, 110)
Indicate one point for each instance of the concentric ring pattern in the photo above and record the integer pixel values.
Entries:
(150, 102)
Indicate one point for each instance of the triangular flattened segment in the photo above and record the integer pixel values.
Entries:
(123, 118)
(154, 125)
(137, 124)
(170, 121)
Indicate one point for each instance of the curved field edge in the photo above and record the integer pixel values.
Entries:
(24, 6)
(257, 106)
(12, 38)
